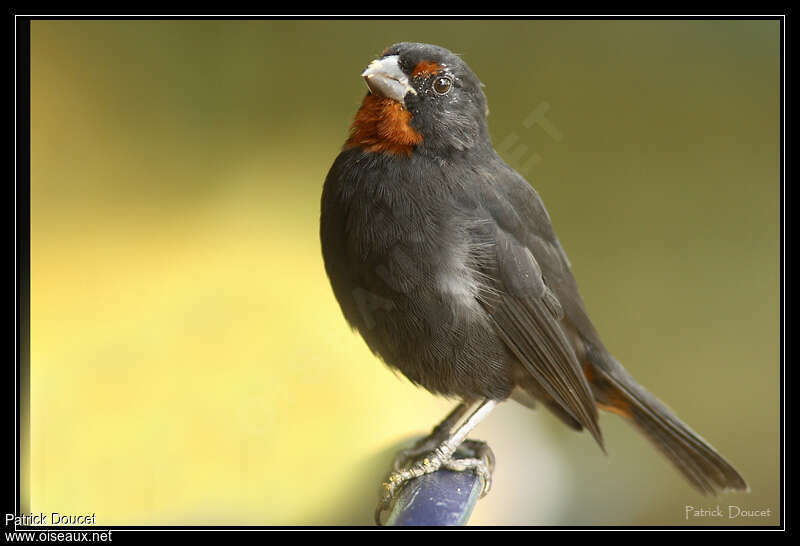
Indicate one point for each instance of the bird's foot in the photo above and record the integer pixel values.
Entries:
(422, 447)
(431, 454)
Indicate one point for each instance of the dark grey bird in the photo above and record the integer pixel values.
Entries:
(444, 259)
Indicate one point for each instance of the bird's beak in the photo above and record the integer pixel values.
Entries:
(384, 78)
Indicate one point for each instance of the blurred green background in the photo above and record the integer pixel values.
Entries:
(189, 364)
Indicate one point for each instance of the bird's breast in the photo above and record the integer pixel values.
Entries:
(404, 255)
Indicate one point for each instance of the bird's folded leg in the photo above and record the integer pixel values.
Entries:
(438, 435)
(436, 451)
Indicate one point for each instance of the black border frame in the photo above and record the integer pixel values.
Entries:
(20, 380)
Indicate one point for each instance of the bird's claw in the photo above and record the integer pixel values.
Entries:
(420, 460)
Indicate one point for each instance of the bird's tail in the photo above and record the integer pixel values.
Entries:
(703, 466)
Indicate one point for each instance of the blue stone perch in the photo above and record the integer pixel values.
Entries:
(442, 498)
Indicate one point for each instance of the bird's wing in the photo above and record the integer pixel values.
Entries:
(518, 209)
(526, 315)
(536, 292)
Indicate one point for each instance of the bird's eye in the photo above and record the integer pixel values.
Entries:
(442, 85)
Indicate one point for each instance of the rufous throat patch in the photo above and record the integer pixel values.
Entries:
(382, 125)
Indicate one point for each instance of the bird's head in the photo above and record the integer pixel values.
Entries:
(420, 96)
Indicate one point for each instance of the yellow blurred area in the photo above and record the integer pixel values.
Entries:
(189, 364)
(162, 381)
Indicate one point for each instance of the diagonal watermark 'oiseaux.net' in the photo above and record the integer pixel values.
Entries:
(520, 155)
